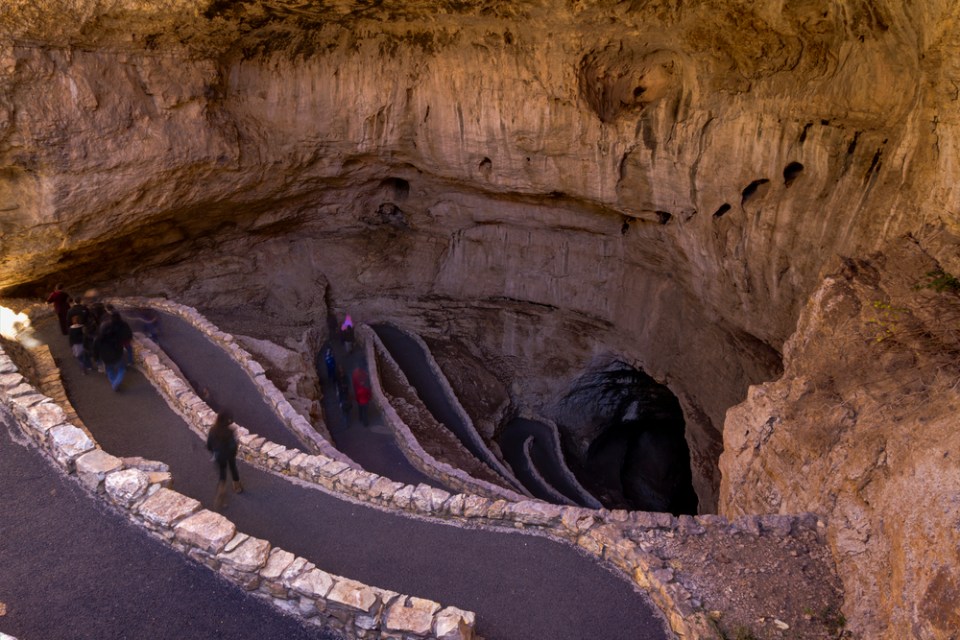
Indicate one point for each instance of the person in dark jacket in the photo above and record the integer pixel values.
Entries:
(77, 310)
(222, 443)
(108, 348)
(76, 336)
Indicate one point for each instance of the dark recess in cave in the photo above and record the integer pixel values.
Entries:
(399, 187)
(791, 172)
(639, 458)
(722, 210)
(751, 190)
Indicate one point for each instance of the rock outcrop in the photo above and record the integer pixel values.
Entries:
(862, 427)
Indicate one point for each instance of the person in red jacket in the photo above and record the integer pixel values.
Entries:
(61, 304)
(361, 391)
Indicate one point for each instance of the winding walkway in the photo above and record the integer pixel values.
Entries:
(544, 464)
(413, 360)
(74, 570)
(520, 586)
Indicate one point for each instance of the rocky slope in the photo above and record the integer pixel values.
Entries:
(862, 427)
(559, 182)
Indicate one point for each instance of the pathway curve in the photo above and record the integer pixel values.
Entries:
(520, 586)
(412, 359)
(75, 570)
(372, 446)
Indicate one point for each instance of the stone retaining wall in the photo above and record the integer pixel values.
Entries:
(582, 493)
(555, 496)
(380, 363)
(141, 489)
(296, 423)
(643, 545)
(437, 374)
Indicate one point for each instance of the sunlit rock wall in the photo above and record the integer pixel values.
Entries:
(862, 427)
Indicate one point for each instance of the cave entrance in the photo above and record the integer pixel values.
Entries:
(624, 432)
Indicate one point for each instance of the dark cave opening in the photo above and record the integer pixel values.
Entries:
(637, 457)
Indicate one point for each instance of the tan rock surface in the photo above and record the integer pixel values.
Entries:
(863, 428)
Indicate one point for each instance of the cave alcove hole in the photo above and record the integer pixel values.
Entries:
(722, 210)
(399, 187)
(791, 172)
(632, 453)
(750, 191)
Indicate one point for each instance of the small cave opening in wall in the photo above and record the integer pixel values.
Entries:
(624, 435)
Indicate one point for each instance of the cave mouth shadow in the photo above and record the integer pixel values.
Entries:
(637, 457)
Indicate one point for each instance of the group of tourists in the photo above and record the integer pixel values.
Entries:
(99, 337)
(337, 374)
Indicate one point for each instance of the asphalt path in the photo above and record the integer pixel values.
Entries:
(521, 586)
(372, 446)
(73, 569)
(409, 355)
(543, 456)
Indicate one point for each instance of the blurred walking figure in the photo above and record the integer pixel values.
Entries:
(361, 390)
(346, 333)
(343, 395)
(330, 363)
(222, 443)
(61, 304)
(76, 336)
(108, 348)
(77, 310)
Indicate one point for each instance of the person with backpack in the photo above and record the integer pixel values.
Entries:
(108, 348)
(222, 443)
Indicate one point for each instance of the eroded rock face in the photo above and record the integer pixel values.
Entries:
(862, 427)
(559, 183)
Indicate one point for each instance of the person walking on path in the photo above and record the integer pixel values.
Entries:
(346, 334)
(222, 443)
(77, 310)
(76, 337)
(61, 304)
(326, 361)
(343, 395)
(108, 348)
(361, 391)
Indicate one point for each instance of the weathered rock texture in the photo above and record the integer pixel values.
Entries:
(862, 427)
(554, 181)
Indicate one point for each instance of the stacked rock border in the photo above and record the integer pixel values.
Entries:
(618, 537)
(380, 363)
(141, 489)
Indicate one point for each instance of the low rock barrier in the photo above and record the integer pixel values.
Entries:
(142, 490)
(444, 385)
(636, 543)
(377, 360)
(296, 423)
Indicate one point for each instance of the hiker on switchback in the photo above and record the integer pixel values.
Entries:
(222, 443)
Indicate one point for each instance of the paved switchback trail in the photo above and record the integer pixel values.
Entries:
(520, 586)
(73, 569)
